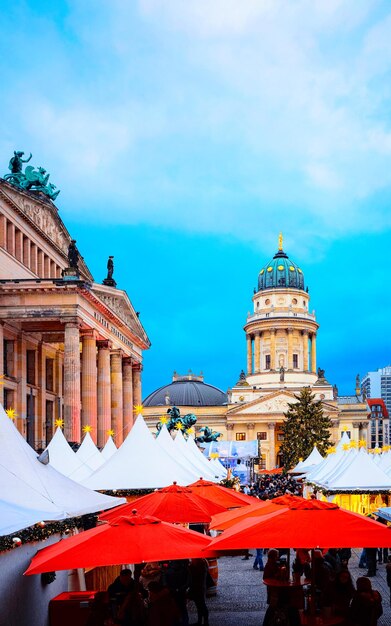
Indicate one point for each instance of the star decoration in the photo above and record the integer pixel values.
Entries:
(179, 426)
(301, 459)
(190, 431)
(377, 451)
(353, 444)
(87, 429)
(362, 443)
(344, 429)
(386, 448)
(331, 450)
(110, 433)
(11, 414)
(214, 455)
(138, 408)
(345, 446)
(59, 423)
(163, 419)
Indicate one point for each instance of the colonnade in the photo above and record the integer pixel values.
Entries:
(100, 388)
(254, 355)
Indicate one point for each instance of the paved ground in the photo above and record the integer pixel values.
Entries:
(241, 597)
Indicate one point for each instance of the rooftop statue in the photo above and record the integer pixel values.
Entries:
(208, 435)
(73, 255)
(31, 179)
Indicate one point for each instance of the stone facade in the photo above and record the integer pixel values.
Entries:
(70, 349)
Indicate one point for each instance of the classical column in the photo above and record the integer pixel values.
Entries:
(249, 355)
(89, 376)
(26, 252)
(272, 444)
(37, 421)
(3, 231)
(230, 428)
(117, 417)
(72, 381)
(1, 363)
(137, 398)
(21, 368)
(11, 238)
(290, 348)
(19, 245)
(58, 385)
(127, 382)
(34, 258)
(313, 353)
(305, 350)
(272, 349)
(257, 352)
(104, 391)
(40, 269)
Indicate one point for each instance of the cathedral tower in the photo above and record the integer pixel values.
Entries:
(281, 332)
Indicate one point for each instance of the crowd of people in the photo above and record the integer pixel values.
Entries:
(333, 592)
(155, 595)
(272, 486)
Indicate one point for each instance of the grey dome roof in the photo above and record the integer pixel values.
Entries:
(186, 393)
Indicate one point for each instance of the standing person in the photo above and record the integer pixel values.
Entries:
(197, 591)
(388, 572)
(272, 567)
(371, 561)
(177, 578)
(366, 606)
(258, 561)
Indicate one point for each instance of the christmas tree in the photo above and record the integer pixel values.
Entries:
(305, 427)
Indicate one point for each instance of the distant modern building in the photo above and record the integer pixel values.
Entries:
(378, 385)
(379, 432)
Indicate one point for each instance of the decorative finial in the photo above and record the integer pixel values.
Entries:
(280, 241)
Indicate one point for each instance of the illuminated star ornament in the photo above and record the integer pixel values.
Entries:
(331, 450)
(110, 433)
(346, 446)
(163, 419)
(138, 408)
(87, 429)
(179, 426)
(190, 431)
(353, 444)
(59, 423)
(11, 414)
(362, 443)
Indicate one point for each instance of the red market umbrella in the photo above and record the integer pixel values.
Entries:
(133, 539)
(174, 504)
(228, 498)
(305, 524)
(276, 470)
(225, 520)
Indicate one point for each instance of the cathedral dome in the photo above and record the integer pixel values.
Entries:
(186, 391)
(281, 273)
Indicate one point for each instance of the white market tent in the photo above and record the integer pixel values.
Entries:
(165, 440)
(202, 465)
(218, 469)
(109, 449)
(64, 459)
(89, 454)
(32, 492)
(329, 463)
(359, 474)
(139, 464)
(312, 459)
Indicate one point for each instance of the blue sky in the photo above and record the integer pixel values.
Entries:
(185, 134)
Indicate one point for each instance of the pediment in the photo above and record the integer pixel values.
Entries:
(276, 402)
(118, 302)
(43, 216)
(273, 403)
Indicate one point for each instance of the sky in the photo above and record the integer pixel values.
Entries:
(186, 134)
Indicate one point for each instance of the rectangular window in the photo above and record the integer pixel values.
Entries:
(30, 359)
(49, 374)
(9, 358)
(8, 399)
(267, 362)
(295, 361)
(262, 436)
(240, 436)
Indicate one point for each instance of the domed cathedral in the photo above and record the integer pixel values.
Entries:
(281, 359)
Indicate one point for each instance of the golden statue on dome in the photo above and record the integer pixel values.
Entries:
(280, 240)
